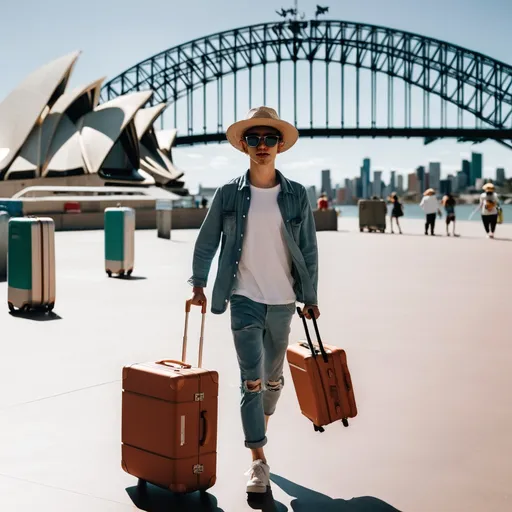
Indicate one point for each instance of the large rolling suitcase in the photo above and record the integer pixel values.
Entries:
(4, 237)
(119, 240)
(322, 380)
(31, 263)
(169, 421)
(372, 215)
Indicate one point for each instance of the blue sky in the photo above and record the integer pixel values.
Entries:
(115, 34)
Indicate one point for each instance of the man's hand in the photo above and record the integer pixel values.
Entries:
(198, 297)
(315, 309)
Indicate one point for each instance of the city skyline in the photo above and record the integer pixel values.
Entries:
(467, 180)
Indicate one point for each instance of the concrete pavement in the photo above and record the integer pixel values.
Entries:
(426, 325)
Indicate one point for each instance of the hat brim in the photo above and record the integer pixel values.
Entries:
(488, 186)
(236, 131)
(429, 192)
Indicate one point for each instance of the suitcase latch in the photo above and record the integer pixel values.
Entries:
(198, 469)
(199, 397)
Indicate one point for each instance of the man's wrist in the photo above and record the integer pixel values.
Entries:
(198, 289)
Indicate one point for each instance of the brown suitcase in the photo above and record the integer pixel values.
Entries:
(322, 380)
(169, 421)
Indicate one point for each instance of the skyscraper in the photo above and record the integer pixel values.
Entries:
(466, 169)
(462, 181)
(400, 184)
(377, 184)
(312, 196)
(412, 183)
(349, 193)
(445, 186)
(326, 183)
(365, 178)
(420, 174)
(476, 168)
(392, 181)
(434, 171)
(500, 176)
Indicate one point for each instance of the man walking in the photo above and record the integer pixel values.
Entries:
(268, 260)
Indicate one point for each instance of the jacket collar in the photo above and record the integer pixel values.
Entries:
(286, 186)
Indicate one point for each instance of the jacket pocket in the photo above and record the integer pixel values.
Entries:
(229, 223)
(296, 226)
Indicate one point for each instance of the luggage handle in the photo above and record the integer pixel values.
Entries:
(206, 429)
(317, 332)
(308, 337)
(315, 325)
(173, 362)
(188, 306)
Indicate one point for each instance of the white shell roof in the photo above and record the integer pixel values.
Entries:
(23, 107)
(145, 118)
(101, 128)
(166, 139)
(65, 152)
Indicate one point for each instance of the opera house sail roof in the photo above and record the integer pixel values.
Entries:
(48, 131)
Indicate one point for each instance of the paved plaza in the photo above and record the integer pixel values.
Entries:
(426, 322)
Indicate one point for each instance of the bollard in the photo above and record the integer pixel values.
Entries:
(164, 218)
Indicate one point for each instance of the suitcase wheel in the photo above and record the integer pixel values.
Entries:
(109, 273)
(121, 273)
(11, 307)
(129, 272)
(318, 429)
(361, 229)
(345, 422)
(141, 484)
(50, 307)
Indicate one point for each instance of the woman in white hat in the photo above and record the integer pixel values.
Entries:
(430, 206)
(488, 206)
(268, 260)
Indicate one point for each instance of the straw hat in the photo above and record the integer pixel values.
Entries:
(429, 192)
(262, 116)
(488, 187)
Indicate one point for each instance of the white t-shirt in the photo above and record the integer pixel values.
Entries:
(264, 270)
(429, 204)
(489, 209)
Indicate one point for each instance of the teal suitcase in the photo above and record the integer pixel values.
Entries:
(31, 264)
(119, 240)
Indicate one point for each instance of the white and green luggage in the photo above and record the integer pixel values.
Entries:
(119, 240)
(4, 236)
(31, 263)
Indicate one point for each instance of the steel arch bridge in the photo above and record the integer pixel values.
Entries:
(461, 81)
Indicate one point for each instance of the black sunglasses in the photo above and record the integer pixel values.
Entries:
(253, 141)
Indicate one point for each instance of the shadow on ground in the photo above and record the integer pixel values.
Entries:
(307, 500)
(265, 502)
(37, 316)
(129, 278)
(155, 499)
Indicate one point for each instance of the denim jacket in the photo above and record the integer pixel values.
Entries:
(225, 223)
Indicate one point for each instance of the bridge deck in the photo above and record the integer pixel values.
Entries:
(424, 321)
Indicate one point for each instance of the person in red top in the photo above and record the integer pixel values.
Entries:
(323, 202)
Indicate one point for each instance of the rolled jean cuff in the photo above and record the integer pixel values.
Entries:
(256, 444)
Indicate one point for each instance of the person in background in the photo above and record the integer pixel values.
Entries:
(323, 202)
(449, 203)
(204, 202)
(488, 205)
(397, 211)
(430, 206)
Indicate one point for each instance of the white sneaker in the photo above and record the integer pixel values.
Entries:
(259, 477)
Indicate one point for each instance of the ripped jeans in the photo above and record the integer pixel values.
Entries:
(261, 335)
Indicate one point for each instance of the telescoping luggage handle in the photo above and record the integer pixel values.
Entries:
(188, 305)
(317, 332)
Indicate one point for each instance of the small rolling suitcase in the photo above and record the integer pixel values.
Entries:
(31, 263)
(169, 421)
(4, 237)
(119, 240)
(372, 215)
(322, 380)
